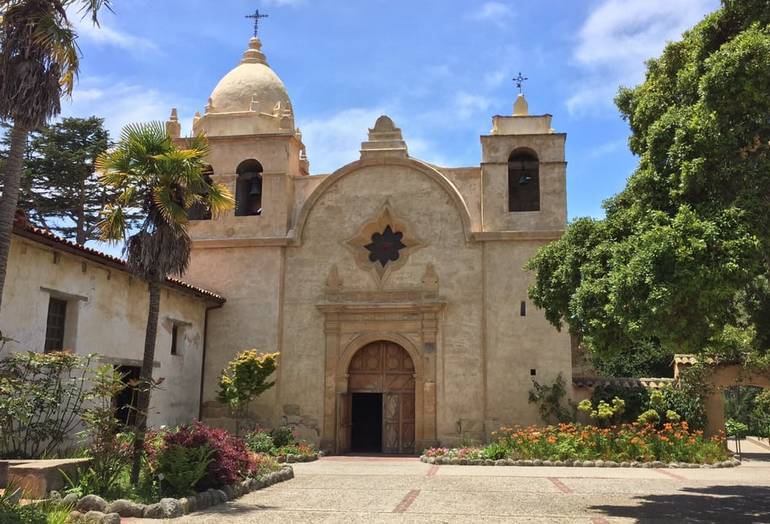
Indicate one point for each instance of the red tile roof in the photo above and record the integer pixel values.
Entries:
(626, 382)
(43, 236)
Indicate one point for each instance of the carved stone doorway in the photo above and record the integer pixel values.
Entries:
(385, 369)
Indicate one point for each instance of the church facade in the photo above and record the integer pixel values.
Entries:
(393, 289)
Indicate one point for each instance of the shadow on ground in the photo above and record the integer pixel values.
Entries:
(739, 504)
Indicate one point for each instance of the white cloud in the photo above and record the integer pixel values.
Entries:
(121, 103)
(619, 35)
(335, 140)
(496, 12)
(466, 104)
(106, 34)
(495, 79)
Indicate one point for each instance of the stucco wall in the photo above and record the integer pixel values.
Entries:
(517, 344)
(107, 314)
(250, 277)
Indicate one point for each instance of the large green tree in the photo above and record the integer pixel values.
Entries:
(38, 64)
(682, 260)
(148, 167)
(60, 188)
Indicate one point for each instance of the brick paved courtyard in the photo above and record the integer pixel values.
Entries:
(376, 489)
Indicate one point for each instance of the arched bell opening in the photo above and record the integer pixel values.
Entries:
(523, 181)
(199, 211)
(248, 188)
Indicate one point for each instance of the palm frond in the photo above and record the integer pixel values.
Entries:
(113, 226)
(220, 199)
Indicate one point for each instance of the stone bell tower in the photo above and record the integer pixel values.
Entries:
(257, 152)
(255, 149)
(523, 173)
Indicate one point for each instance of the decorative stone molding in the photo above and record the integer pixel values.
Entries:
(383, 244)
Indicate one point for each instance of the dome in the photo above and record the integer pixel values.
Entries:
(251, 86)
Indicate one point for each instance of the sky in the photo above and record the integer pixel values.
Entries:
(440, 68)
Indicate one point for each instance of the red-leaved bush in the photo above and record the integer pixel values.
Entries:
(231, 460)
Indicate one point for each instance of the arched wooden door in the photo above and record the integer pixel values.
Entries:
(386, 368)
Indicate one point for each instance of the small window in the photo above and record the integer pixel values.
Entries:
(174, 339)
(532, 372)
(54, 331)
(523, 181)
(523, 309)
(125, 399)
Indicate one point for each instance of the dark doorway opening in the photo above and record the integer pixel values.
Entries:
(366, 431)
(125, 401)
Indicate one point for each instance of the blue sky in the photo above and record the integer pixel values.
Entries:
(440, 68)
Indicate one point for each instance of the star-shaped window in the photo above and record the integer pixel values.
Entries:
(385, 246)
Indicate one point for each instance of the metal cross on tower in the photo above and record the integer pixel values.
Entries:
(256, 16)
(519, 81)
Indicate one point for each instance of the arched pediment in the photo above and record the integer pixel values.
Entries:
(421, 168)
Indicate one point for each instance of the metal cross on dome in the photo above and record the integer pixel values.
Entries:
(519, 81)
(256, 16)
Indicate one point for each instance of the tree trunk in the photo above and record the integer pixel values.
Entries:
(145, 379)
(11, 181)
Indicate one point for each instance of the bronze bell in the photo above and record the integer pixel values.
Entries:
(256, 186)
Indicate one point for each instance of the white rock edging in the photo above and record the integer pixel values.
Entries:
(446, 461)
(168, 508)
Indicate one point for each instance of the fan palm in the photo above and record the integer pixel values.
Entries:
(38, 65)
(148, 170)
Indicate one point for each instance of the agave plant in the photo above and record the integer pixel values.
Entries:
(148, 170)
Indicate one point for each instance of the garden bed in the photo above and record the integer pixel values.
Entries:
(92, 508)
(672, 445)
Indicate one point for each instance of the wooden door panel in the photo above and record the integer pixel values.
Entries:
(344, 423)
(387, 368)
(391, 423)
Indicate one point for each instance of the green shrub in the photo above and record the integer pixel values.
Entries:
(552, 401)
(650, 416)
(244, 379)
(11, 512)
(687, 400)
(43, 395)
(180, 468)
(494, 451)
(282, 436)
(604, 414)
(259, 441)
(635, 399)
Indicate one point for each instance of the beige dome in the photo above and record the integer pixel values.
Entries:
(251, 86)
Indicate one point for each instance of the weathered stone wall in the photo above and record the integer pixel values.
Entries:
(433, 217)
(106, 314)
(517, 344)
(250, 277)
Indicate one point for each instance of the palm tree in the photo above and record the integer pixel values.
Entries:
(147, 169)
(38, 65)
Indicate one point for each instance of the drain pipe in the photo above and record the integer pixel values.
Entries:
(203, 357)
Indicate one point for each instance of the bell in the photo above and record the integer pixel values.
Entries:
(256, 186)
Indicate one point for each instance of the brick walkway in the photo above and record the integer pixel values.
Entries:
(371, 490)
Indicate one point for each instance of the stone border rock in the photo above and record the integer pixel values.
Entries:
(289, 459)
(446, 461)
(95, 510)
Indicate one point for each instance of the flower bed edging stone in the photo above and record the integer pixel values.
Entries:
(446, 461)
(168, 508)
(297, 458)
